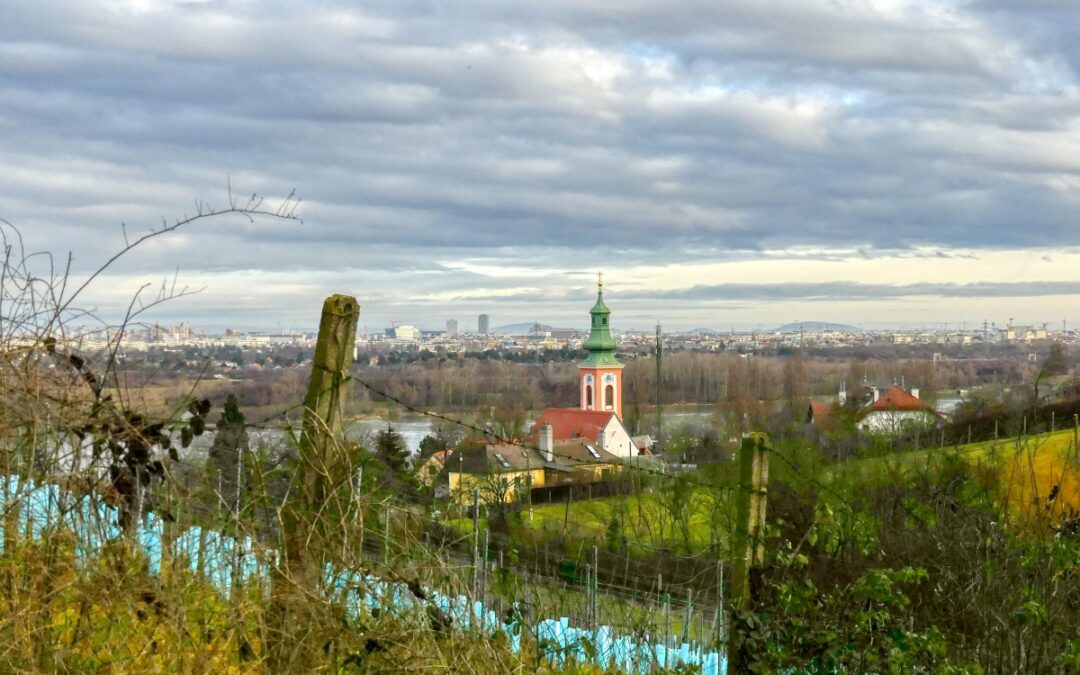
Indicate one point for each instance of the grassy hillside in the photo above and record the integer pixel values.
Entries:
(1039, 474)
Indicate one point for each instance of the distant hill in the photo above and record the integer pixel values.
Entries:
(523, 328)
(816, 327)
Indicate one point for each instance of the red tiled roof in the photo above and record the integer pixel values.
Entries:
(895, 398)
(573, 423)
(820, 412)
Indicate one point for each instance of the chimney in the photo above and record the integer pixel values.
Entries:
(877, 394)
(600, 439)
(915, 392)
(547, 442)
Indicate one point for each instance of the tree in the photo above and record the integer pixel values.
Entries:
(1057, 361)
(227, 454)
(391, 450)
(443, 436)
(507, 421)
(677, 498)
(80, 408)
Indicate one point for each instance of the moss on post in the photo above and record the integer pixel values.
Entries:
(324, 469)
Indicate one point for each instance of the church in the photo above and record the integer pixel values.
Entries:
(598, 417)
(567, 446)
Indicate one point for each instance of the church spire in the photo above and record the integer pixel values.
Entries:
(600, 344)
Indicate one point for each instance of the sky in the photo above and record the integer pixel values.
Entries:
(726, 163)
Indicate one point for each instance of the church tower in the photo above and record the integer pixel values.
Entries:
(600, 373)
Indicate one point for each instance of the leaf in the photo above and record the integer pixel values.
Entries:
(185, 437)
(173, 454)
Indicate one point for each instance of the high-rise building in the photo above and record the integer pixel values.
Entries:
(483, 324)
(451, 327)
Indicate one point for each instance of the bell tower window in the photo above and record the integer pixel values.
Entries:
(609, 397)
(588, 397)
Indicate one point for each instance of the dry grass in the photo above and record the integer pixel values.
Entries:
(1039, 474)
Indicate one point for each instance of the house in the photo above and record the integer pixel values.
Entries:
(821, 414)
(501, 472)
(428, 471)
(885, 410)
(604, 429)
(895, 410)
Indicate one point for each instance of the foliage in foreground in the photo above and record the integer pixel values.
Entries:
(922, 572)
(109, 614)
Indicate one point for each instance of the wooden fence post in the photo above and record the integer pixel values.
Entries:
(595, 588)
(299, 569)
(748, 544)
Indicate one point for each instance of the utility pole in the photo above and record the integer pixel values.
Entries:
(748, 546)
(659, 388)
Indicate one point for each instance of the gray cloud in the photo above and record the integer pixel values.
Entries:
(855, 291)
(576, 133)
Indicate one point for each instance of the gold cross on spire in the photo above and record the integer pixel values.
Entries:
(600, 280)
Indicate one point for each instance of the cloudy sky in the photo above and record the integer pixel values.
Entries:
(735, 162)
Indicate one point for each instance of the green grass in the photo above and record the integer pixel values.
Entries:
(1028, 469)
(645, 520)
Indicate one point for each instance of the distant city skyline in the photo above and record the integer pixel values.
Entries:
(641, 328)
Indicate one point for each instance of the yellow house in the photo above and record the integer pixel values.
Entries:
(503, 471)
(579, 460)
(428, 471)
(500, 471)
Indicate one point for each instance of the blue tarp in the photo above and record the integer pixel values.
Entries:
(219, 557)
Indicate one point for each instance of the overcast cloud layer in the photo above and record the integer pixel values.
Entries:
(723, 162)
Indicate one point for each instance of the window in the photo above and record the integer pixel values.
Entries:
(502, 460)
(609, 397)
(592, 451)
(588, 397)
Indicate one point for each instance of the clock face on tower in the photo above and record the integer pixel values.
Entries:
(609, 379)
(588, 378)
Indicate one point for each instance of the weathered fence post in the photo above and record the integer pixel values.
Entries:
(748, 545)
(1076, 429)
(595, 588)
(486, 578)
(300, 567)
(476, 542)
(588, 595)
(386, 534)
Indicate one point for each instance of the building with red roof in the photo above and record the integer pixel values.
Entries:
(598, 418)
(894, 410)
(889, 410)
